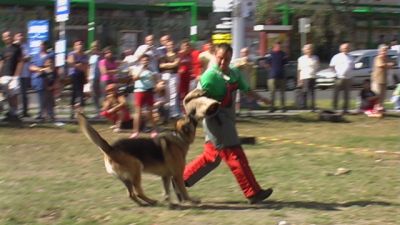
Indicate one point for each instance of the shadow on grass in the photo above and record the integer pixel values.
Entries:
(299, 118)
(392, 115)
(276, 205)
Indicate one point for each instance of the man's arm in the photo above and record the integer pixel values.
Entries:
(255, 95)
(20, 64)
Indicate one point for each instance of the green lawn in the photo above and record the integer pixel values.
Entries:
(56, 176)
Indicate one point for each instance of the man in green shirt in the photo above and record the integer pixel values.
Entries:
(220, 82)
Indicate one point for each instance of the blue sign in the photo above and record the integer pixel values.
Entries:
(38, 31)
(62, 10)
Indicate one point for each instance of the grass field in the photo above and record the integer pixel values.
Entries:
(56, 176)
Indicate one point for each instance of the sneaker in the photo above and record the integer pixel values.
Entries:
(153, 134)
(260, 196)
(134, 135)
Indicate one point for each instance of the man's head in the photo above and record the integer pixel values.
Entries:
(6, 37)
(43, 46)
(111, 89)
(223, 56)
(345, 47)
(383, 50)
(170, 46)
(244, 52)
(95, 46)
(144, 60)
(78, 46)
(277, 47)
(308, 49)
(165, 39)
(367, 84)
(19, 38)
(149, 40)
(185, 46)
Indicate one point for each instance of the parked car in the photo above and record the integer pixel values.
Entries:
(363, 64)
(262, 74)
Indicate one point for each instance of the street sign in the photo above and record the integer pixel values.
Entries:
(220, 38)
(60, 50)
(38, 31)
(62, 10)
(304, 25)
(222, 5)
(60, 59)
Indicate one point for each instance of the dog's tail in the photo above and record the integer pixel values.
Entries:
(92, 134)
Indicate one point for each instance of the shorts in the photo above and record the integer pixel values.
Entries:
(10, 85)
(145, 98)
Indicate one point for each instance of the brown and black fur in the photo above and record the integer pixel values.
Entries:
(164, 156)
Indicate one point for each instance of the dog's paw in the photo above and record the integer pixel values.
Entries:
(152, 202)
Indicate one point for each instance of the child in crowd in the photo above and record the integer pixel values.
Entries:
(145, 80)
(116, 109)
(396, 97)
(370, 101)
(50, 86)
(160, 112)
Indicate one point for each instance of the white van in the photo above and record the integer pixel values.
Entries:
(363, 63)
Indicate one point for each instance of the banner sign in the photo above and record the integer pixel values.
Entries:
(38, 31)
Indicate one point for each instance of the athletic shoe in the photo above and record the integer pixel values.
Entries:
(260, 196)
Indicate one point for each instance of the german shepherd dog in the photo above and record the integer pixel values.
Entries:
(164, 156)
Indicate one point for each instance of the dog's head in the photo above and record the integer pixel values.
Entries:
(187, 127)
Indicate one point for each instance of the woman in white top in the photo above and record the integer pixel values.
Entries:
(307, 66)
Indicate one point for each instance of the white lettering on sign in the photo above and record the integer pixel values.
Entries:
(38, 29)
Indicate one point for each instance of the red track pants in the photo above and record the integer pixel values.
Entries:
(234, 158)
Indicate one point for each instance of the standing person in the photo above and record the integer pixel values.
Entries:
(40, 80)
(169, 69)
(394, 45)
(220, 83)
(342, 64)
(162, 50)
(78, 63)
(379, 73)
(50, 81)
(207, 57)
(94, 75)
(196, 67)
(248, 69)
(396, 98)
(145, 80)
(108, 68)
(277, 80)
(11, 63)
(184, 70)
(150, 50)
(307, 66)
(25, 78)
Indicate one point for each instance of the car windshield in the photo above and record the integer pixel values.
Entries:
(356, 57)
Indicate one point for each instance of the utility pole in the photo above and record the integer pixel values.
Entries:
(91, 21)
(238, 28)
